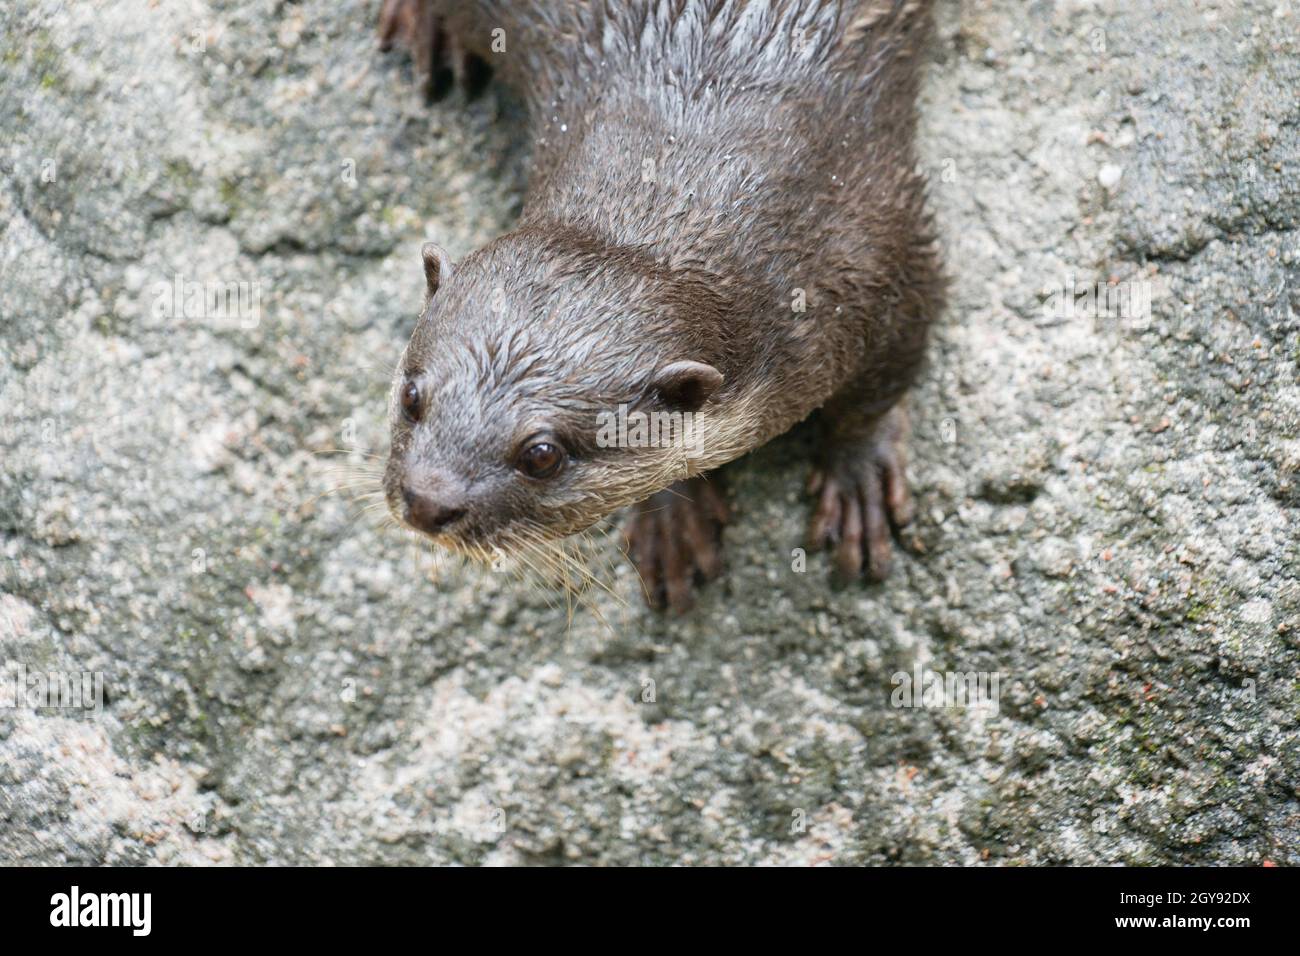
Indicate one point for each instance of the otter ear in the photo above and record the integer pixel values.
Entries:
(437, 265)
(685, 386)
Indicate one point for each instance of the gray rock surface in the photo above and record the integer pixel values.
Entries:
(1108, 503)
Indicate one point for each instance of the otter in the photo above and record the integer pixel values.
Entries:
(724, 220)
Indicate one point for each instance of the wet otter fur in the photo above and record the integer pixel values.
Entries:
(724, 218)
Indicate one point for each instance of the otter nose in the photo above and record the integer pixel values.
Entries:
(427, 512)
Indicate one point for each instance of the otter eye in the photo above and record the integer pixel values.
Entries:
(541, 459)
(410, 399)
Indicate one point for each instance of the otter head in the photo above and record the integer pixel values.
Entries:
(522, 404)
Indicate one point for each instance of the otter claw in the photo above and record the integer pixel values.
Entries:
(860, 497)
(674, 540)
(441, 61)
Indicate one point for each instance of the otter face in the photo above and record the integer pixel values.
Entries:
(500, 415)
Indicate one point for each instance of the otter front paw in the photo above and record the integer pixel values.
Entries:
(861, 492)
(674, 539)
(441, 61)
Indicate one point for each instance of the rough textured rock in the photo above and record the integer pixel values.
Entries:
(1108, 510)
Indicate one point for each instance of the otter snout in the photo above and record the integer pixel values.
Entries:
(431, 511)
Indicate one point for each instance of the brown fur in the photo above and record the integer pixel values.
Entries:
(694, 166)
